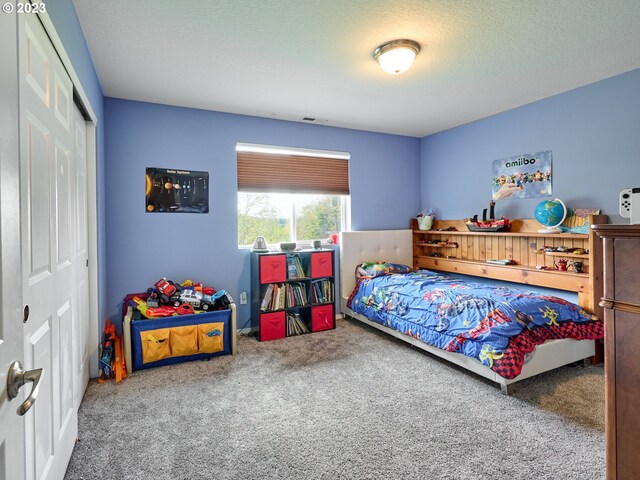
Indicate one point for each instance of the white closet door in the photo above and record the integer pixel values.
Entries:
(12, 454)
(81, 258)
(51, 245)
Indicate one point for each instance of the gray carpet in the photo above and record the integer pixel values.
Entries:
(351, 404)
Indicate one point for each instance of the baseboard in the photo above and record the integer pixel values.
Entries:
(246, 331)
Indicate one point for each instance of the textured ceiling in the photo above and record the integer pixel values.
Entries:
(290, 59)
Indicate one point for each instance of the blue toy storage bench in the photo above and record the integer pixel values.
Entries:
(169, 340)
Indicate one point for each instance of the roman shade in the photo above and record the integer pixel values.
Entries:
(271, 172)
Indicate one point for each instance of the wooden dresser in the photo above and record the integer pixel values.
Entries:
(621, 302)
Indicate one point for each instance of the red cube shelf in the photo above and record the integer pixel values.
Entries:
(272, 326)
(273, 268)
(321, 265)
(322, 318)
(307, 278)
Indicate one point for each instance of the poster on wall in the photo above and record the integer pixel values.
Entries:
(523, 176)
(177, 191)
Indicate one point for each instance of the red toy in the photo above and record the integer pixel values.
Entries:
(111, 355)
(165, 287)
(164, 311)
(185, 309)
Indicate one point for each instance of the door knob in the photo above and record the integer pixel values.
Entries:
(16, 378)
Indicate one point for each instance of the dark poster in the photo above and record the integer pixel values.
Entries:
(178, 191)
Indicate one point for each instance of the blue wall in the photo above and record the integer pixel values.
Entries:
(593, 131)
(64, 18)
(141, 247)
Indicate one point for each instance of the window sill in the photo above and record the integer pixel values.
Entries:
(276, 248)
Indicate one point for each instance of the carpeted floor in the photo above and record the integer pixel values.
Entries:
(351, 403)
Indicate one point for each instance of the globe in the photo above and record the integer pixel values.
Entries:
(550, 214)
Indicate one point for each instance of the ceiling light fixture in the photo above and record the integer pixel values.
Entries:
(396, 56)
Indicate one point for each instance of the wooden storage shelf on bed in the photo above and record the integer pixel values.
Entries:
(524, 245)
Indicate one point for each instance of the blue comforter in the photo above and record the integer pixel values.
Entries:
(496, 325)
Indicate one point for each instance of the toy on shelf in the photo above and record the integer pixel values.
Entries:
(490, 225)
(506, 261)
(577, 266)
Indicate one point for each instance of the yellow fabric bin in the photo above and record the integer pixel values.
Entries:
(211, 337)
(184, 341)
(155, 345)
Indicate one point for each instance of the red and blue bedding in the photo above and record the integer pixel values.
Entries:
(496, 325)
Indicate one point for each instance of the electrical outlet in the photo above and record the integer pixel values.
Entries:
(243, 298)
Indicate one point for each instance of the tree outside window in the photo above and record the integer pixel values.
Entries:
(258, 215)
(288, 217)
(317, 216)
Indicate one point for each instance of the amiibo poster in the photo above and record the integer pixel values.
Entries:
(523, 176)
(178, 191)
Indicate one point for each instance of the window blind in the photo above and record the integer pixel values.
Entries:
(262, 172)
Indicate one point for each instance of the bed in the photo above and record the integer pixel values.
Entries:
(395, 246)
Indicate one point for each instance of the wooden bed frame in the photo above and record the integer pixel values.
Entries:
(397, 246)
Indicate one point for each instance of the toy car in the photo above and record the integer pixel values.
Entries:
(165, 287)
(190, 297)
(207, 303)
(156, 298)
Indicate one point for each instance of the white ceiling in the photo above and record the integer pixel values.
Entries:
(290, 59)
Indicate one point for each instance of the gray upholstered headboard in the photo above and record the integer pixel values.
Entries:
(371, 246)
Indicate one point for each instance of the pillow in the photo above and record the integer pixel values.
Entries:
(378, 269)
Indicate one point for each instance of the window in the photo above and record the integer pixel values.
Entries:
(290, 217)
(291, 194)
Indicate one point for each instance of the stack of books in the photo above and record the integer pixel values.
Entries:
(296, 295)
(322, 291)
(294, 266)
(295, 325)
(274, 297)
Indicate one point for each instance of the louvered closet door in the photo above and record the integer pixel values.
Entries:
(50, 246)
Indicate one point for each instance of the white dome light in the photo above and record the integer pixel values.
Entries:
(396, 56)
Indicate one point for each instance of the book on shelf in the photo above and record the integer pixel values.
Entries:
(266, 300)
(274, 297)
(277, 294)
(294, 266)
(296, 295)
(282, 292)
(322, 291)
(295, 325)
